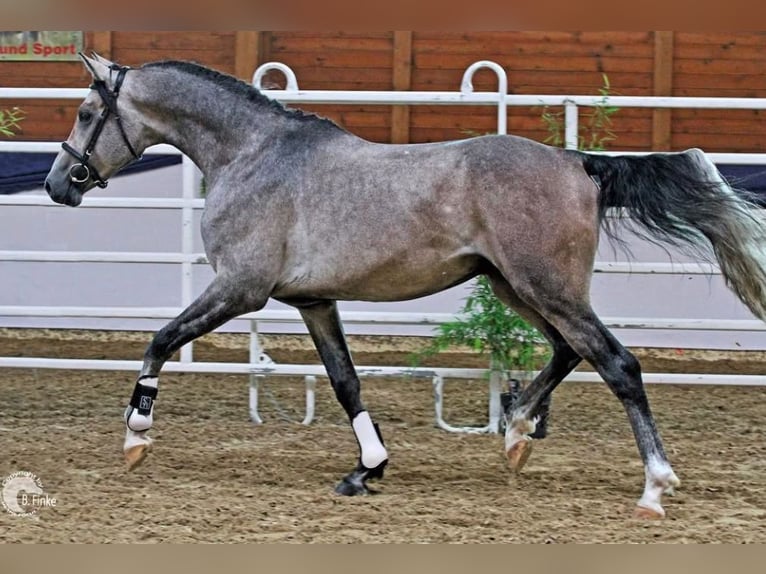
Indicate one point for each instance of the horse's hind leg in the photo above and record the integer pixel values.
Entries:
(622, 373)
(522, 415)
(323, 322)
(560, 298)
(223, 300)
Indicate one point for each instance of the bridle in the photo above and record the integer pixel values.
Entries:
(83, 171)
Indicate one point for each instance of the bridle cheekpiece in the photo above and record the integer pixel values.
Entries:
(83, 171)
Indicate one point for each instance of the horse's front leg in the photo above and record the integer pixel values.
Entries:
(324, 325)
(521, 417)
(521, 414)
(221, 301)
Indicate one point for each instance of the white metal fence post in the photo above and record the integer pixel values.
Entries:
(187, 244)
(571, 129)
(495, 408)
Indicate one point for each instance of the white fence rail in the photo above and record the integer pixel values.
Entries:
(259, 363)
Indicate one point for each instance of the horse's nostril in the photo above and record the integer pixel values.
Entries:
(47, 186)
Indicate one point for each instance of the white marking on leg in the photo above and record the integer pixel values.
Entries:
(518, 429)
(133, 438)
(373, 451)
(659, 478)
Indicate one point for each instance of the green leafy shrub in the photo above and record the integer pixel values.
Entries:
(10, 121)
(487, 326)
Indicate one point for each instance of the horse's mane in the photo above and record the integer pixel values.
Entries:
(242, 89)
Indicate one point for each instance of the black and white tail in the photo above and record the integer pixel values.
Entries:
(681, 199)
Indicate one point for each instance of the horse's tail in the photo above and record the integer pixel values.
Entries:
(681, 199)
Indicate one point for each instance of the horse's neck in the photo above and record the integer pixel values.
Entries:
(210, 127)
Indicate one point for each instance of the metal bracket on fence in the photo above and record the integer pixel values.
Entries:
(259, 357)
(495, 408)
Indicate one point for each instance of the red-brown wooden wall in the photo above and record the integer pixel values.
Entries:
(637, 63)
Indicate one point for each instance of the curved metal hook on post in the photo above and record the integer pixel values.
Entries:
(292, 81)
(466, 87)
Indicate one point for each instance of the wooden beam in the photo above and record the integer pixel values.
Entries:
(402, 76)
(663, 86)
(101, 43)
(248, 53)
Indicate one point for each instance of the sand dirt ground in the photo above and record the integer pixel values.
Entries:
(215, 477)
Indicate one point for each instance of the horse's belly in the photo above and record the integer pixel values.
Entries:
(399, 288)
(392, 281)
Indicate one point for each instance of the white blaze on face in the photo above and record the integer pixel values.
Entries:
(373, 451)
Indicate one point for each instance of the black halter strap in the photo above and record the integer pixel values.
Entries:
(83, 171)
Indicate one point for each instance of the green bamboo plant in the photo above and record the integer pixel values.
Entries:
(10, 121)
(487, 326)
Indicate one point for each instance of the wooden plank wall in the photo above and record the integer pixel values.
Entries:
(536, 63)
(720, 64)
(52, 119)
(339, 61)
(636, 63)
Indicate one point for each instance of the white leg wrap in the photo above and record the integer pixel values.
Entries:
(136, 421)
(373, 451)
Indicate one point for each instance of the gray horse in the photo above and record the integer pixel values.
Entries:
(300, 210)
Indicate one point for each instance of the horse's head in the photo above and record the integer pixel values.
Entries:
(103, 140)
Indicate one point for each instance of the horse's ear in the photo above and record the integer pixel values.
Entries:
(98, 70)
(104, 61)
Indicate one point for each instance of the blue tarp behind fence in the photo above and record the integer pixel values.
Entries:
(27, 171)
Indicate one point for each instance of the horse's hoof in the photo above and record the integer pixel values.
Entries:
(377, 472)
(355, 484)
(647, 513)
(352, 487)
(135, 455)
(518, 455)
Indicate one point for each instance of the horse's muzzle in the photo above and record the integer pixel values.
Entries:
(66, 194)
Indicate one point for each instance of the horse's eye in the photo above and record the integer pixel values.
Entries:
(85, 116)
